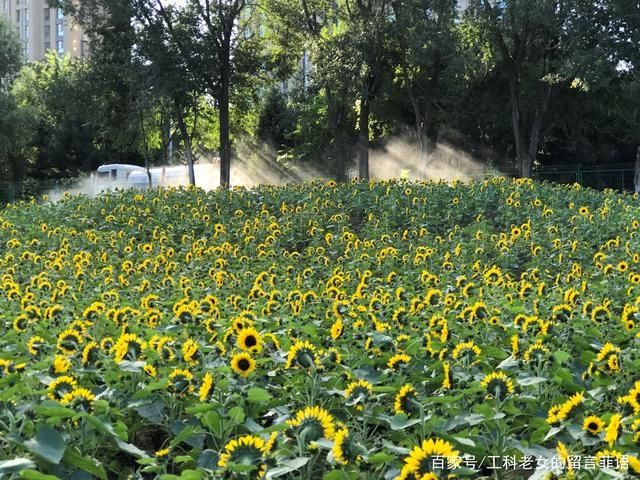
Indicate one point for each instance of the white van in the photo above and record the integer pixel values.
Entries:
(160, 177)
(121, 175)
(115, 175)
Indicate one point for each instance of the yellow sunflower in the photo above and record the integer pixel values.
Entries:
(247, 450)
(498, 385)
(243, 364)
(420, 464)
(249, 339)
(593, 424)
(313, 423)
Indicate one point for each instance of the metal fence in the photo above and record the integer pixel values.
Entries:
(619, 176)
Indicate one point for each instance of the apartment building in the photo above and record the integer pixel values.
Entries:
(43, 28)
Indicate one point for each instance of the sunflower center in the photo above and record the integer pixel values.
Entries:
(244, 364)
(250, 341)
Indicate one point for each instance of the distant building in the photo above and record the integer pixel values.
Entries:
(43, 28)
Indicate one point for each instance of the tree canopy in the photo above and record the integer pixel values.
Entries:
(323, 83)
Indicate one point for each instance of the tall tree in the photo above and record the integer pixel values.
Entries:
(318, 28)
(426, 38)
(10, 53)
(545, 47)
(124, 99)
(219, 50)
(12, 129)
(58, 92)
(167, 71)
(370, 26)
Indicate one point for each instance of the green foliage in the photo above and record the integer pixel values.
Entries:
(159, 73)
(511, 314)
(10, 53)
(58, 92)
(276, 121)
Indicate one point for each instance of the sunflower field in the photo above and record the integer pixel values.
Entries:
(383, 330)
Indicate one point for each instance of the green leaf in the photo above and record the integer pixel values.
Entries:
(191, 474)
(561, 356)
(155, 468)
(128, 366)
(35, 475)
(201, 408)
(552, 432)
(384, 389)
(531, 381)
(103, 426)
(182, 459)
(465, 441)
(86, 464)
(240, 467)
(401, 421)
(185, 434)
(380, 458)
(394, 448)
(131, 449)
(53, 409)
(47, 444)
(335, 475)
(212, 421)
(287, 466)
(208, 459)
(236, 416)
(154, 411)
(508, 363)
(258, 395)
(15, 465)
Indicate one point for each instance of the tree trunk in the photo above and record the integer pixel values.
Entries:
(146, 166)
(363, 139)
(335, 120)
(225, 140)
(166, 140)
(536, 127)
(423, 139)
(522, 156)
(184, 131)
(427, 144)
(637, 176)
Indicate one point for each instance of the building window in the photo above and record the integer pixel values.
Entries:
(47, 32)
(60, 46)
(47, 46)
(60, 14)
(60, 30)
(47, 14)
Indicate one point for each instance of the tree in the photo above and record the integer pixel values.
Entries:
(10, 53)
(426, 39)
(124, 101)
(167, 73)
(59, 95)
(350, 48)
(14, 122)
(221, 48)
(544, 48)
(275, 122)
(370, 27)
